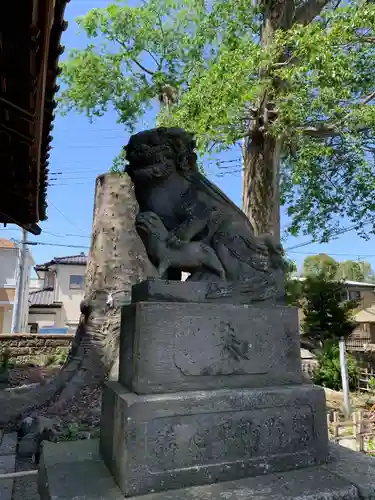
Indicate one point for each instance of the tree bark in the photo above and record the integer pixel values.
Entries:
(261, 192)
(117, 260)
(262, 152)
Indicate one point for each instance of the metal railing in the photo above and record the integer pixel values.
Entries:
(360, 344)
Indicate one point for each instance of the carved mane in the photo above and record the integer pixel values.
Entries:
(182, 143)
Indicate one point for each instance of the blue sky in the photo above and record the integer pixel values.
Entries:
(81, 151)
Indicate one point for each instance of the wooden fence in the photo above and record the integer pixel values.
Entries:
(358, 433)
(364, 377)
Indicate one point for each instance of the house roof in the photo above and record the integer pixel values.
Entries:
(346, 282)
(305, 354)
(29, 51)
(366, 315)
(43, 298)
(4, 243)
(72, 260)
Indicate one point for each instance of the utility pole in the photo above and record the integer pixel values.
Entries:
(18, 306)
(344, 377)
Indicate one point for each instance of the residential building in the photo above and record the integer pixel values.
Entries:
(363, 292)
(363, 337)
(9, 283)
(56, 305)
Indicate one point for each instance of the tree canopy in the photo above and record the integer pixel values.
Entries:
(207, 62)
(325, 112)
(135, 56)
(314, 265)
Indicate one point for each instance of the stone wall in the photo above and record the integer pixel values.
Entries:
(30, 347)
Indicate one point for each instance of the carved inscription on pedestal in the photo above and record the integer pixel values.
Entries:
(212, 438)
(228, 349)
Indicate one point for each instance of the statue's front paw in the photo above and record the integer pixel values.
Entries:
(174, 241)
(146, 220)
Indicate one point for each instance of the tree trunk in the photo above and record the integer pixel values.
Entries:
(262, 152)
(260, 190)
(117, 260)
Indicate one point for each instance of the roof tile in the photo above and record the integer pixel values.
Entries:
(4, 243)
(44, 297)
(73, 260)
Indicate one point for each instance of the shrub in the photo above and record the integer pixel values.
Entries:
(328, 372)
(58, 358)
(5, 363)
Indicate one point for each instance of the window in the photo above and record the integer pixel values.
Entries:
(33, 327)
(76, 281)
(354, 295)
(344, 295)
(49, 279)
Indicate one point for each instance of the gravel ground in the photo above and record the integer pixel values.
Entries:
(25, 374)
(81, 415)
(79, 420)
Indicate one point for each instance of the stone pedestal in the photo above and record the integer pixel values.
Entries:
(208, 393)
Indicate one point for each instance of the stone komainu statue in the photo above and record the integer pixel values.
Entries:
(188, 224)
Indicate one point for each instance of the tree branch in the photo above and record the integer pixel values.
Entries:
(328, 130)
(158, 63)
(135, 61)
(369, 98)
(320, 131)
(142, 67)
(308, 11)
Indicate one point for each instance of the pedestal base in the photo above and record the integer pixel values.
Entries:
(347, 475)
(154, 443)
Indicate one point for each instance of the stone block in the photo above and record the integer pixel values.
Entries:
(347, 476)
(169, 347)
(355, 467)
(157, 290)
(306, 484)
(168, 441)
(74, 470)
(170, 291)
(7, 465)
(8, 444)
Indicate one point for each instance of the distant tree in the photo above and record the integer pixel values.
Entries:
(327, 317)
(353, 270)
(316, 265)
(346, 270)
(292, 285)
(367, 271)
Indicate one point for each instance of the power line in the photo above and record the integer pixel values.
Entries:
(56, 235)
(65, 217)
(358, 256)
(69, 185)
(61, 235)
(336, 233)
(93, 129)
(73, 178)
(45, 243)
(74, 171)
(93, 146)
